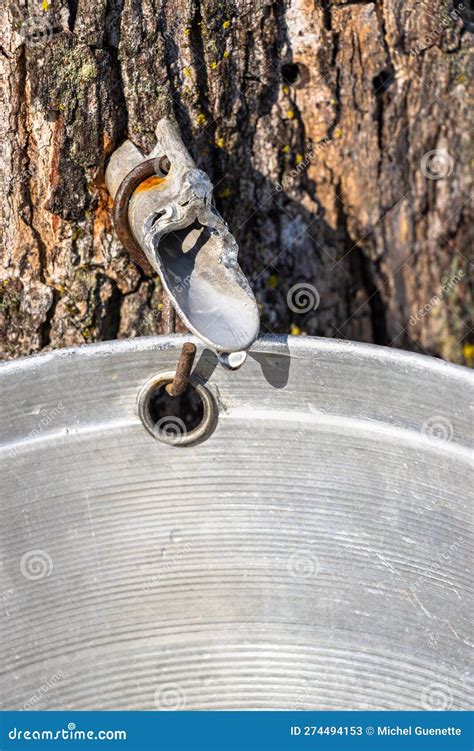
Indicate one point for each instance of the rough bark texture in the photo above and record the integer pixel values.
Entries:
(315, 120)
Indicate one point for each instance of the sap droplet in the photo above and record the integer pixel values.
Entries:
(232, 360)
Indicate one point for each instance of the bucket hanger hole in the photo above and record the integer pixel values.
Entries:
(181, 413)
(176, 420)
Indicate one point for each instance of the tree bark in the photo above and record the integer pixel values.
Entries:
(315, 121)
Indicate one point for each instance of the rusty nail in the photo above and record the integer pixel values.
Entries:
(169, 315)
(183, 370)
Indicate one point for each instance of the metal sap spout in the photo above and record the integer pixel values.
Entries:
(186, 241)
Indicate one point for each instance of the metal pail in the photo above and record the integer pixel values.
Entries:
(311, 553)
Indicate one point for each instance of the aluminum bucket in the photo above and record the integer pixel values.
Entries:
(309, 554)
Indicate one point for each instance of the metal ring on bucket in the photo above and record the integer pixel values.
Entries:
(173, 433)
(129, 184)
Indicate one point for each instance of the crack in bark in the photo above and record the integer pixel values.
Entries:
(72, 5)
(45, 329)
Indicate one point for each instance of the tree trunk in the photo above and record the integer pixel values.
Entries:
(316, 122)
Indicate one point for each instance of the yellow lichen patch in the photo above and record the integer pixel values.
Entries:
(226, 24)
(286, 89)
(45, 5)
(187, 72)
(201, 119)
(272, 281)
(285, 149)
(226, 54)
(187, 31)
(338, 133)
(299, 158)
(214, 65)
(220, 143)
(290, 114)
(88, 72)
(295, 330)
(468, 353)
